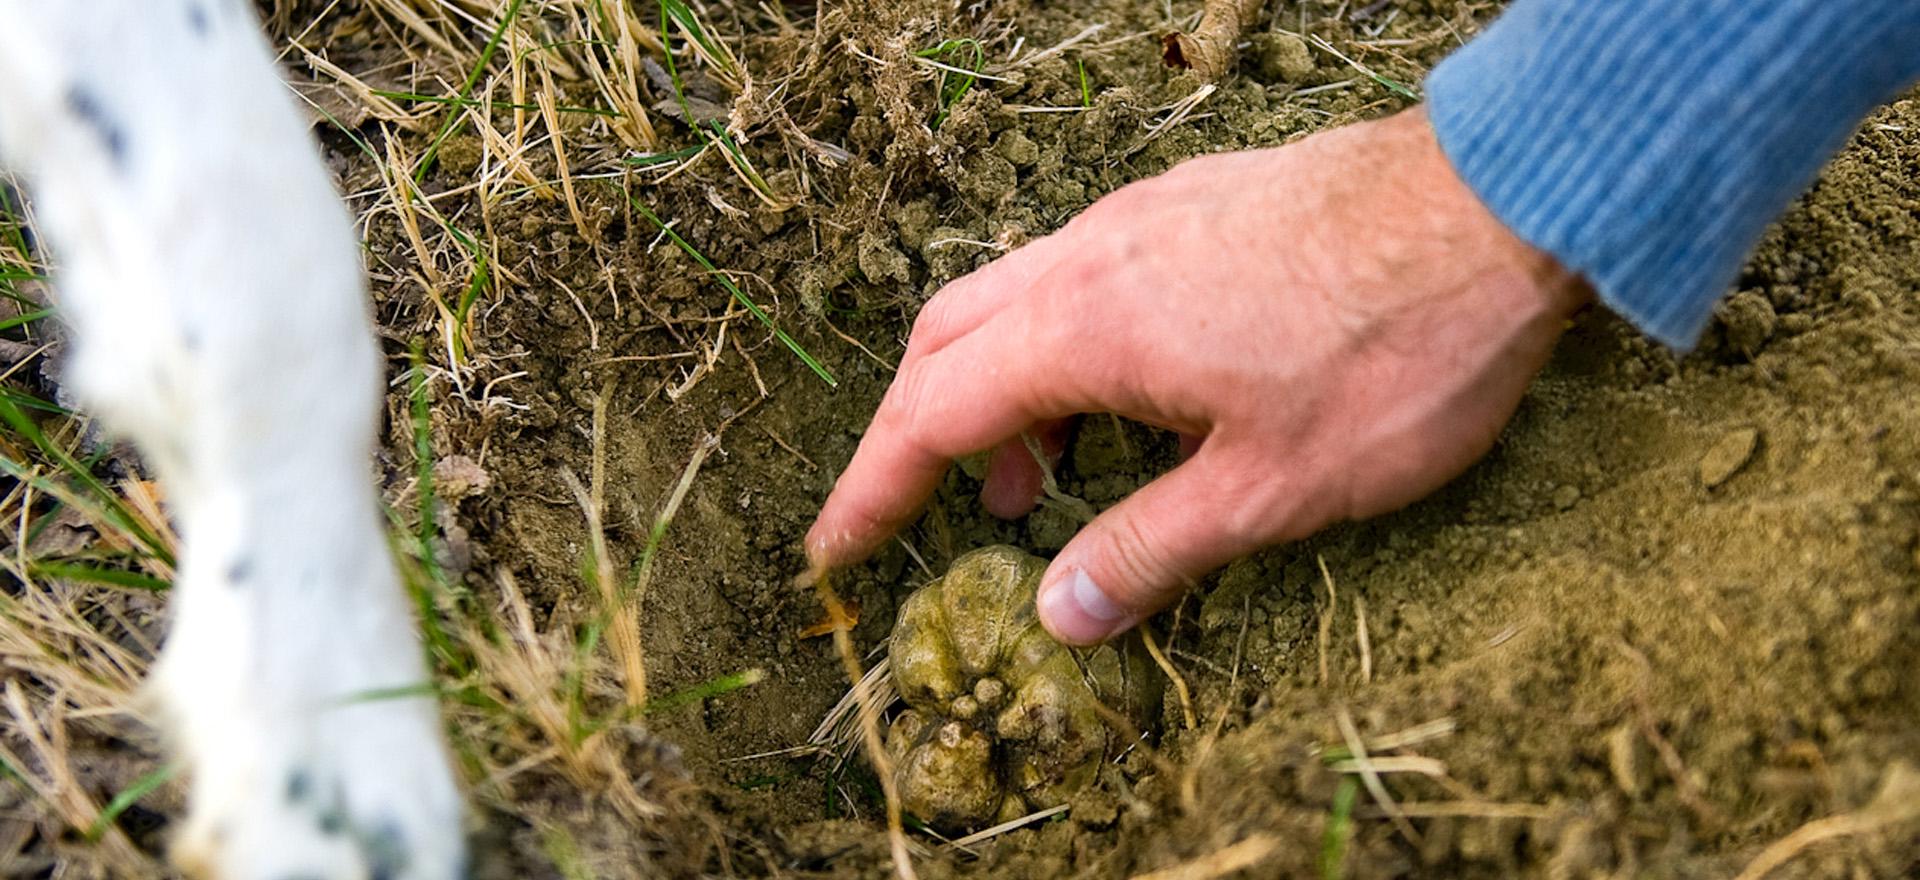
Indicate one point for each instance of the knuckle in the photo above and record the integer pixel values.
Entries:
(864, 514)
(1090, 274)
(1246, 525)
(909, 405)
(933, 317)
(1207, 165)
(1048, 325)
(1257, 505)
(1069, 281)
(1117, 209)
(1139, 563)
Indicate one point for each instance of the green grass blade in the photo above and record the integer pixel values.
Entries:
(669, 158)
(496, 105)
(1395, 86)
(481, 278)
(705, 690)
(576, 680)
(738, 159)
(114, 509)
(1333, 841)
(466, 89)
(352, 135)
(713, 132)
(734, 289)
(425, 594)
(22, 320)
(954, 86)
(106, 577)
(399, 692)
(28, 401)
(15, 235)
(127, 798)
(477, 284)
(673, 70)
(683, 15)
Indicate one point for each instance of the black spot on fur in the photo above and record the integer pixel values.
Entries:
(86, 106)
(386, 850)
(197, 19)
(239, 571)
(333, 817)
(299, 786)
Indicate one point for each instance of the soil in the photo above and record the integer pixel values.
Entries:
(1671, 618)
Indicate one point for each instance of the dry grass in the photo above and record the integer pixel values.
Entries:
(866, 708)
(1896, 805)
(545, 99)
(1222, 862)
(79, 620)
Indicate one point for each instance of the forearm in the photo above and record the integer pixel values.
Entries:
(1647, 145)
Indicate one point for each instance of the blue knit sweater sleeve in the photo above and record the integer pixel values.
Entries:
(1646, 144)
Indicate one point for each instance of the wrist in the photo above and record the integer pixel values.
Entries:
(1558, 291)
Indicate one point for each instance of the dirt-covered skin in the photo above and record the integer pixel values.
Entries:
(1671, 618)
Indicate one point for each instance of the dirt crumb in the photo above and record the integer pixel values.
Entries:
(1282, 58)
(1727, 456)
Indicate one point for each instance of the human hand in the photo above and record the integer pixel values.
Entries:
(1340, 322)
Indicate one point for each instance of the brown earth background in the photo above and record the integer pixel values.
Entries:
(1672, 618)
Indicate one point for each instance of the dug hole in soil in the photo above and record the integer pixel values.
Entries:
(1671, 618)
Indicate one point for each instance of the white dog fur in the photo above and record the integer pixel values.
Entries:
(212, 280)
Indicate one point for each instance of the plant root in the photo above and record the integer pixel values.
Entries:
(1209, 49)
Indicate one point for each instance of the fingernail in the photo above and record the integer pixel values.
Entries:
(1076, 610)
(815, 546)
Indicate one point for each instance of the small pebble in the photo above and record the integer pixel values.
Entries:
(1282, 58)
(1017, 148)
(1728, 456)
(1095, 807)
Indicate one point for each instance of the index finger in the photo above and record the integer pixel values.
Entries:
(895, 471)
(970, 300)
(978, 390)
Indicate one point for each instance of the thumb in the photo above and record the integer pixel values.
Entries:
(1143, 553)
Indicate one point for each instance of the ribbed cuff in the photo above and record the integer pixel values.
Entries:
(1647, 144)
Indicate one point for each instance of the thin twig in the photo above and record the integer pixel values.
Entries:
(1220, 862)
(1898, 802)
(1326, 617)
(869, 722)
(1465, 810)
(986, 834)
(1371, 779)
(623, 616)
(1366, 642)
(1173, 675)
